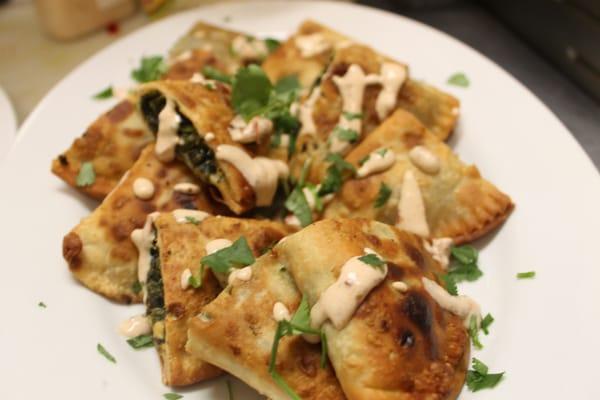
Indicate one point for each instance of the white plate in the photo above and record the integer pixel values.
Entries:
(8, 124)
(545, 334)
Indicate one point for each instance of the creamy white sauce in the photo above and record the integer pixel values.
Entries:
(186, 55)
(261, 173)
(187, 187)
(238, 276)
(215, 245)
(209, 136)
(121, 92)
(312, 44)
(392, 76)
(198, 78)
(411, 208)
(143, 188)
(462, 306)
(376, 163)
(424, 159)
(143, 238)
(184, 280)
(292, 220)
(251, 131)
(135, 326)
(183, 216)
(284, 140)
(306, 113)
(439, 250)
(400, 286)
(280, 312)
(249, 48)
(166, 137)
(340, 300)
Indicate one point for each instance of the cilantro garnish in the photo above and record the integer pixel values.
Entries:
(526, 275)
(364, 160)
(41, 304)
(214, 74)
(141, 341)
(297, 204)
(272, 44)
(373, 260)
(459, 79)
(348, 135)
(104, 94)
(486, 322)
(287, 84)
(194, 281)
(299, 324)
(334, 174)
(105, 353)
(172, 396)
(251, 91)
(383, 195)
(449, 284)
(86, 175)
(136, 287)
(474, 332)
(479, 377)
(237, 255)
(463, 264)
(350, 115)
(150, 69)
(192, 220)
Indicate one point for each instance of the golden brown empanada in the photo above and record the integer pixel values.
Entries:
(99, 250)
(179, 248)
(458, 202)
(235, 332)
(399, 343)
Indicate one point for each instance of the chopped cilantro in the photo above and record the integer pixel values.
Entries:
(104, 94)
(272, 44)
(192, 220)
(105, 353)
(383, 195)
(86, 175)
(141, 341)
(479, 377)
(486, 322)
(213, 73)
(474, 332)
(287, 84)
(348, 135)
(172, 396)
(298, 205)
(334, 174)
(350, 116)
(373, 260)
(459, 79)
(526, 275)
(136, 287)
(449, 284)
(194, 281)
(41, 304)
(463, 264)
(251, 91)
(150, 69)
(237, 255)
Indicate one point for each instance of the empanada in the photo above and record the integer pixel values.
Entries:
(99, 251)
(236, 330)
(458, 202)
(398, 343)
(180, 245)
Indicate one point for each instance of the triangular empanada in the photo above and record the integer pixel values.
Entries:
(458, 202)
(398, 343)
(99, 250)
(236, 330)
(180, 245)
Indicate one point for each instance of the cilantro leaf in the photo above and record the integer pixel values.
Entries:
(459, 79)
(474, 332)
(192, 220)
(86, 175)
(339, 162)
(251, 91)
(287, 84)
(150, 69)
(464, 254)
(214, 74)
(383, 195)
(348, 135)
(272, 44)
(334, 175)
(104, 94)
(479, 378)
(486, 322)
(196, 282)
(141, 341)
(172, 396)
(41, 304)
(526, 275)
(237, 255)
(449, 284)
(373, 260)
(298, 205)
(105, 353)
(463, 264)
(301, 317)
(350, 116)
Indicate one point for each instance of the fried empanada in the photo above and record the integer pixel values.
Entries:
(458, 202)
(99, 250)
(179, 248)
(235, 332)
(399, 343)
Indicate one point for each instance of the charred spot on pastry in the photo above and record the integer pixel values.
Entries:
(121, 231)
(176, 310)
(416, 308)
(235, 350)
(147, 207)
(72, 246)
(62, 159)
(406, 338)
(395, 271)
(414, 255)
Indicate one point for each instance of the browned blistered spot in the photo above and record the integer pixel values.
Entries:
(176, 310)
(235, 350)
(133, 133)
(162, 173)
(395, 271)
(119, 112)
(147, 207)
(374, 240)
(414, 254)
(121, 230)
(412, 139)
(62, 159)
(124, 251)
(307, 365)
(72, 249)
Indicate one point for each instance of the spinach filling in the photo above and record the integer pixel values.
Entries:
(155, 300)
(192, 150)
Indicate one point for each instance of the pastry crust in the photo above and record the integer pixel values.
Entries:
(398, 345)
(99, 250)
(182, 246)
(459, 203)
